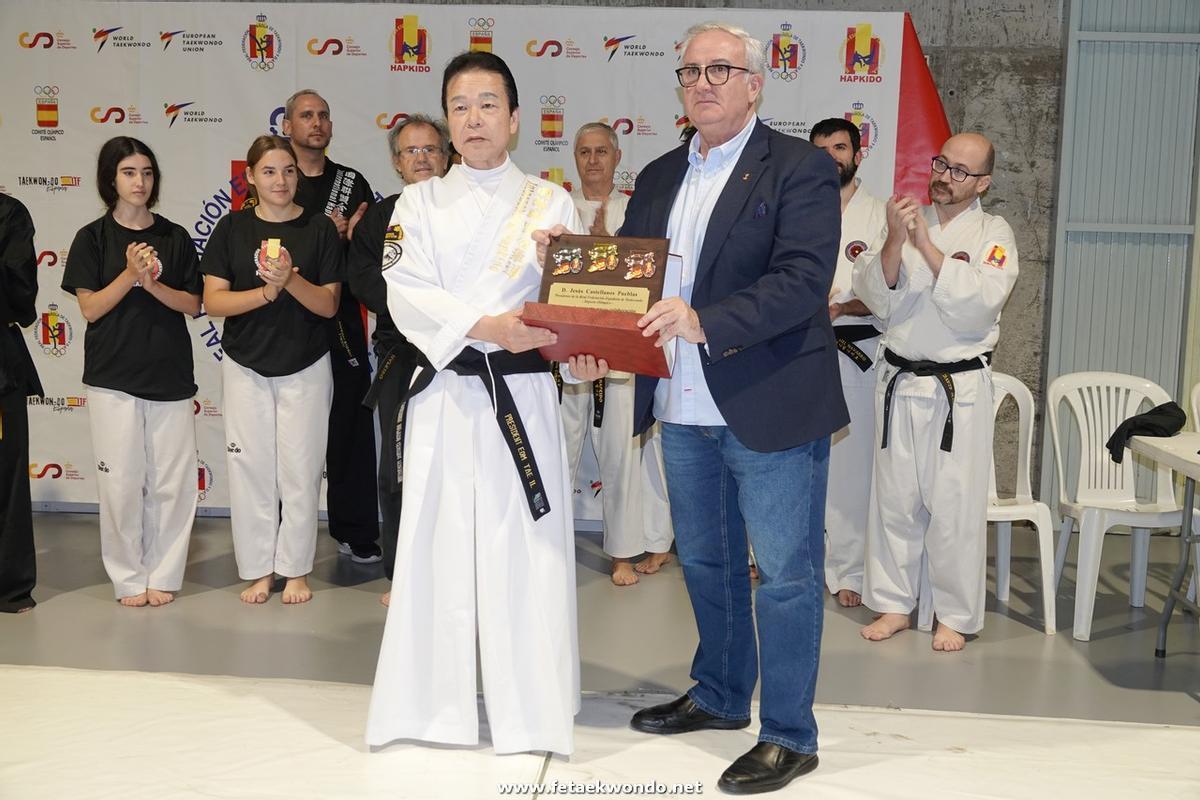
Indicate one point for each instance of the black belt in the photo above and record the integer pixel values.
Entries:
(926, 369)
(388, 369)
(491, 369)
(598, 389)
(847, 335)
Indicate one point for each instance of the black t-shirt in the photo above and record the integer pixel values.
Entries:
(337, 188)
(140, 347)
(364, 273)
(283, 337)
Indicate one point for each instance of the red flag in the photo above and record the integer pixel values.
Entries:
(922, 128)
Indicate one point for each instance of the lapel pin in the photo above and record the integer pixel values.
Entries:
(746, 177)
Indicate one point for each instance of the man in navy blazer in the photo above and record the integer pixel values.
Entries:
(752, 401)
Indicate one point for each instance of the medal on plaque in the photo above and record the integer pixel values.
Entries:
(594, 290)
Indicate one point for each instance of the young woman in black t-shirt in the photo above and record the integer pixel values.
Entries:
(135, 275)
(274, 274)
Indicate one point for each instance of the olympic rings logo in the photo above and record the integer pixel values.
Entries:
(546, 45)
(46, 91)
(485, 23)
(625, 176)
(553, 100)
(785, 75)
(263, 65)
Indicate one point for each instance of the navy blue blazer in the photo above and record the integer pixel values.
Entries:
(761, 289)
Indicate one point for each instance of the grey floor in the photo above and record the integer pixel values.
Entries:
(635, 638)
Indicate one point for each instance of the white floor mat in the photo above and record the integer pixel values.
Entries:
(128, 735)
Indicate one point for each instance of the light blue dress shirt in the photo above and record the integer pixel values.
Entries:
(684, 398)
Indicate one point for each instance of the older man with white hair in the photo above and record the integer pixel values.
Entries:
(748, 411)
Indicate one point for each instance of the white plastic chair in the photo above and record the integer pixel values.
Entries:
(1105, 494)
(1004, 511)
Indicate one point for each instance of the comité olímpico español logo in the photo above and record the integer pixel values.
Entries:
(410, 45)
(46, 113)
(553, 127)
(479, 32)
(261, 44)
(861, 55)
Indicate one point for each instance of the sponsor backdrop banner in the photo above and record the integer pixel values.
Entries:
(198, 81)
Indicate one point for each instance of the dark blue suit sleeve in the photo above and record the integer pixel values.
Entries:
(796, 282)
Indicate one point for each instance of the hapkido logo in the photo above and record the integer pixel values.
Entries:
(861, 55)
(410, 45)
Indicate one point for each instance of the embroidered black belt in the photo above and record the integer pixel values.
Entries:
(391, 367)
(927, 369)
(598, 389)
(491, 369)
(848, 335)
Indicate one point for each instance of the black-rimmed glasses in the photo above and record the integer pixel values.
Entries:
(715, 74)
(957, 174)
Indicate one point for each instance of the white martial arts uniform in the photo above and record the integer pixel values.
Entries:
(864, 225)
(146, 481)
(925, 500)
(470, 559)
(277, 429)
(633, 494)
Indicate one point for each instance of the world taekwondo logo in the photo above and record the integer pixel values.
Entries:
(261, 44)
(410, 45)
(861, 55)
(101, 35)
(788, 54)
(628, 49)
(613, 44)
(172, 111)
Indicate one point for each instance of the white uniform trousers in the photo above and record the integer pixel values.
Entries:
(471, 564)
(146, 481)
(275, 430)
(851, 460)
(925, 500)
(633, 495)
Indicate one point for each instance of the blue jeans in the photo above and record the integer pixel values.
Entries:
(720, 491)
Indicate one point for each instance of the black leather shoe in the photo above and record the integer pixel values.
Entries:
(765, 768)
(681, 716)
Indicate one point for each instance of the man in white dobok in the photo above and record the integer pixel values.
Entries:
(633, 494)
(939, 282)
(857, 332)
(485, 547)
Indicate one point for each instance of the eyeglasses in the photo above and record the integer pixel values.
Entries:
(957, 174)
(715, 74)
(427, 150)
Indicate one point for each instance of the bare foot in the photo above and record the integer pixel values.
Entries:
(947, 640)
(622, 572)
(885, 626)
(25, 609)
(849, 599)
(386, 598)
(134, 601)
(257, 592)
(653, 562)
(158, 598)
(296, 591)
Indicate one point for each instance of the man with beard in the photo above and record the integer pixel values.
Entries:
(857, 331)
(342, 194)
(419, 148)
(939, 282)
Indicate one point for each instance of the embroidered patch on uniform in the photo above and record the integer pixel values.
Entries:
(962, 255)
(391, 253)
(394, 233)
(854, 249)
(996, 257)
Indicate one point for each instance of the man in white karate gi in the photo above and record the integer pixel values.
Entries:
(633, 494)
(857, 331)
(939, 282)
(485, 547)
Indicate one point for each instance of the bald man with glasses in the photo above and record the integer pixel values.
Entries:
(938, 284)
